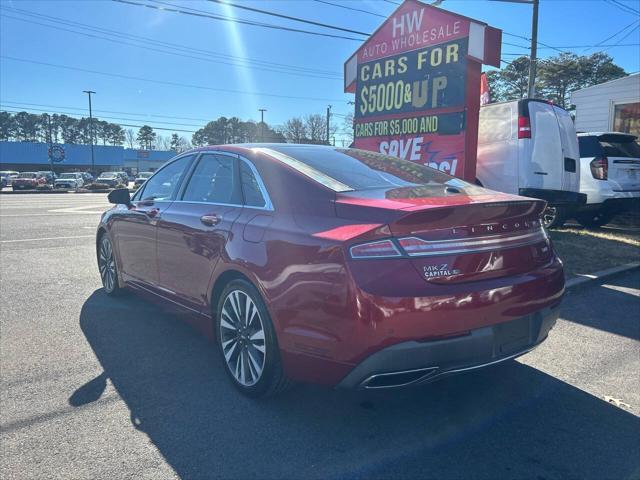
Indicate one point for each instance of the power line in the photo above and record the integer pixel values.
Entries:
(166, 82)
(12, 105)
(615, 34)
(121, 124)
(286, 17)
(110, 111)
(249, 61)
(179, 53)
(203, 14)
(625, 36)
(351, 8)
(623, 7)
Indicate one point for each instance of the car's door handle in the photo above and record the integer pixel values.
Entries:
(153, 212)
(210, 220)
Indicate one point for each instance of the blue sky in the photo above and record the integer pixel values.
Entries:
(317, 60)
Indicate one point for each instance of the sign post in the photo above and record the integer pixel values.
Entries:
(417, 87)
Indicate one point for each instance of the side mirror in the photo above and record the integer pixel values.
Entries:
(119, 196)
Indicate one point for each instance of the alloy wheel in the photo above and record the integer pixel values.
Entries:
(242, 337)
(549, 216)
(107, 265)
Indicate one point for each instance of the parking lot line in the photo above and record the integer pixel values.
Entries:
(45, 238)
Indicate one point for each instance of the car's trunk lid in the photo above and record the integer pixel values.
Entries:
(459, 238)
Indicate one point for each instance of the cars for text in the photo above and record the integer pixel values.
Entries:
(609, 176)
(335, 266)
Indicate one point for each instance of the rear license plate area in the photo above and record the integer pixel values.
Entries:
(512, 337)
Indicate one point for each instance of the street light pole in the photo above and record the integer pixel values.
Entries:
(328, 117)
(93, 163)
(262, 110)
(534, 51)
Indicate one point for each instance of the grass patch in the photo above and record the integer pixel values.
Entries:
(588, 251)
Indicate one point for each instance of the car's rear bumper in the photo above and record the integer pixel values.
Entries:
(414, 363)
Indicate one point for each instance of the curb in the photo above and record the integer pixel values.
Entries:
(602, 274)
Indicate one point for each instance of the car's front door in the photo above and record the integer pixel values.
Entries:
(194, 230)
(135, 229)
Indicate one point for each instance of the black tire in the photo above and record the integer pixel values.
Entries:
(239, 342)
(107, 266)
(594, 219)
(554, 217)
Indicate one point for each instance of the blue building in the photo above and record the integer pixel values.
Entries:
(31, 156)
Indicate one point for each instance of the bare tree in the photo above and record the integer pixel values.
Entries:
(130, 136)
(294, 130)
(316, 128)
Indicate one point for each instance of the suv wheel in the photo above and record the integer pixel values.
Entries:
(553, 217)
(248, 342)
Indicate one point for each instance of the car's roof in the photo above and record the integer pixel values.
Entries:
(246, 147)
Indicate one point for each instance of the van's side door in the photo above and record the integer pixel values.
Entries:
(570, 151)
(542, 167)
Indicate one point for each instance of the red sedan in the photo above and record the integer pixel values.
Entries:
(335, 266)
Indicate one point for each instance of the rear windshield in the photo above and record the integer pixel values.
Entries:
(108, 175)
(351, 169)
(589, 147)
(620, 146)
(27, 175)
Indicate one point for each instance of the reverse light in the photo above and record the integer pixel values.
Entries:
(378, 249)
(600, 168)
(524, 127)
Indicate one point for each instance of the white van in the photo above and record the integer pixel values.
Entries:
(530, 148)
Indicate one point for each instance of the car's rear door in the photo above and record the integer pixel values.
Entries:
(135, 229)
(194, 230)
(623, 154)
(543, 167)
(570, 151)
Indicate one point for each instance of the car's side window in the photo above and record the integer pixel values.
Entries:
(250, 188)
(213, 181)
(164, 184)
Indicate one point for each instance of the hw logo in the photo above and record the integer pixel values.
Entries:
(407, 23)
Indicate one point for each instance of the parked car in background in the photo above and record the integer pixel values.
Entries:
(530, 148)
(609, 176)
(141, 178)
(9, 175)
(87, 177)
(25, 181)
(48, 176)
(69, 180)
(335, 266)
(112, 178)
(3, 181)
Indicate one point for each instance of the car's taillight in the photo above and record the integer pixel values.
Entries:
(524, 127)
(600, 168)
(378, 249)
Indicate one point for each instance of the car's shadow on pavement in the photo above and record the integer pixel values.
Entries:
(511, 421)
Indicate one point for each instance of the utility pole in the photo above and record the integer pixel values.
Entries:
(531, 91)
(93, 162)
(262, 110)
(328, 117)
(534, 50)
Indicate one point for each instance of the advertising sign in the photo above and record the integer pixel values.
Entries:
(417, 87)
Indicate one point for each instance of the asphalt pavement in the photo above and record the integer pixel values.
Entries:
(99, 388)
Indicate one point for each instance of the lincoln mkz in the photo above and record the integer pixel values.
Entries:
(335, 266)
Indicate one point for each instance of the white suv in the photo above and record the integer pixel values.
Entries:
(609, 176)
